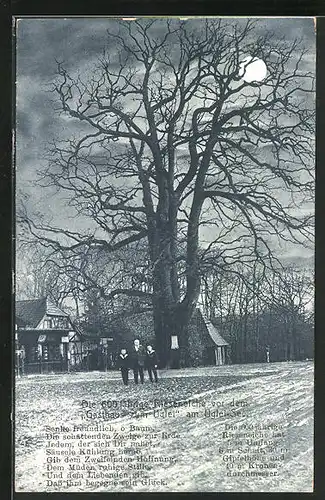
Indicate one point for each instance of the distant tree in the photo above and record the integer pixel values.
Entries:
(291, 301)
(38, 276)
(253, 311)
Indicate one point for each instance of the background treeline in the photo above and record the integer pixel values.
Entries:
(257, 311)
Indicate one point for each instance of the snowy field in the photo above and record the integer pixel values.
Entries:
(214, 405)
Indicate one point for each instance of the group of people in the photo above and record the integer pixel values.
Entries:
(138, 359)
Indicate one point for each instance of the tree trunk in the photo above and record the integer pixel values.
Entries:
(171, 316)
(168, 321)
(162, 334)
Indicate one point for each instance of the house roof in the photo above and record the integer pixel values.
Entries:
(141, 325)
(129, 327)
(30, 312)
(213, 332)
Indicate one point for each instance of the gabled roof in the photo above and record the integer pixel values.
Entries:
(30, 312)
(213, 332)
(53, 310)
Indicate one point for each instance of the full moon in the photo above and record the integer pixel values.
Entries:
(252, 70)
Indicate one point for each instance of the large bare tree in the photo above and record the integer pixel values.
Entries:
(172, 141)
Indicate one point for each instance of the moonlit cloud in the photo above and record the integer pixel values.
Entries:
(78, 43)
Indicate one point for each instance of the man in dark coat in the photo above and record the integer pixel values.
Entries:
(138, 360)
(123, 363)
(152, 363)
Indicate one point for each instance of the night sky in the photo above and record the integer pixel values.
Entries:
(78, 42)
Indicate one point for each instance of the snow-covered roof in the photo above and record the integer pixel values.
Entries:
(30, 312)
(215, 335)
(213, 332)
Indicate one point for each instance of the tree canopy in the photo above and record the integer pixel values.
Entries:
(178, 153)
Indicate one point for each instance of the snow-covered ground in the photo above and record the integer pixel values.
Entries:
(201, 445)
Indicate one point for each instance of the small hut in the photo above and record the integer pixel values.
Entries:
(219, 345)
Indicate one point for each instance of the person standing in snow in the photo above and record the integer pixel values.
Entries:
(138, 359)
(123, 362)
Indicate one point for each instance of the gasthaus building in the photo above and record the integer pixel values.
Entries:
(46, 339)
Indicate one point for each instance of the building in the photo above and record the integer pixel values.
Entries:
(217, 342)
(46, 339)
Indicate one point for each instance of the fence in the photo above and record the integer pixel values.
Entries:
(87, 361)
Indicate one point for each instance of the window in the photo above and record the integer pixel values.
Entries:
(59, 323)
(45, 352)
(54, 352)
(174, 343)
(48, 323)
(51, 352)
